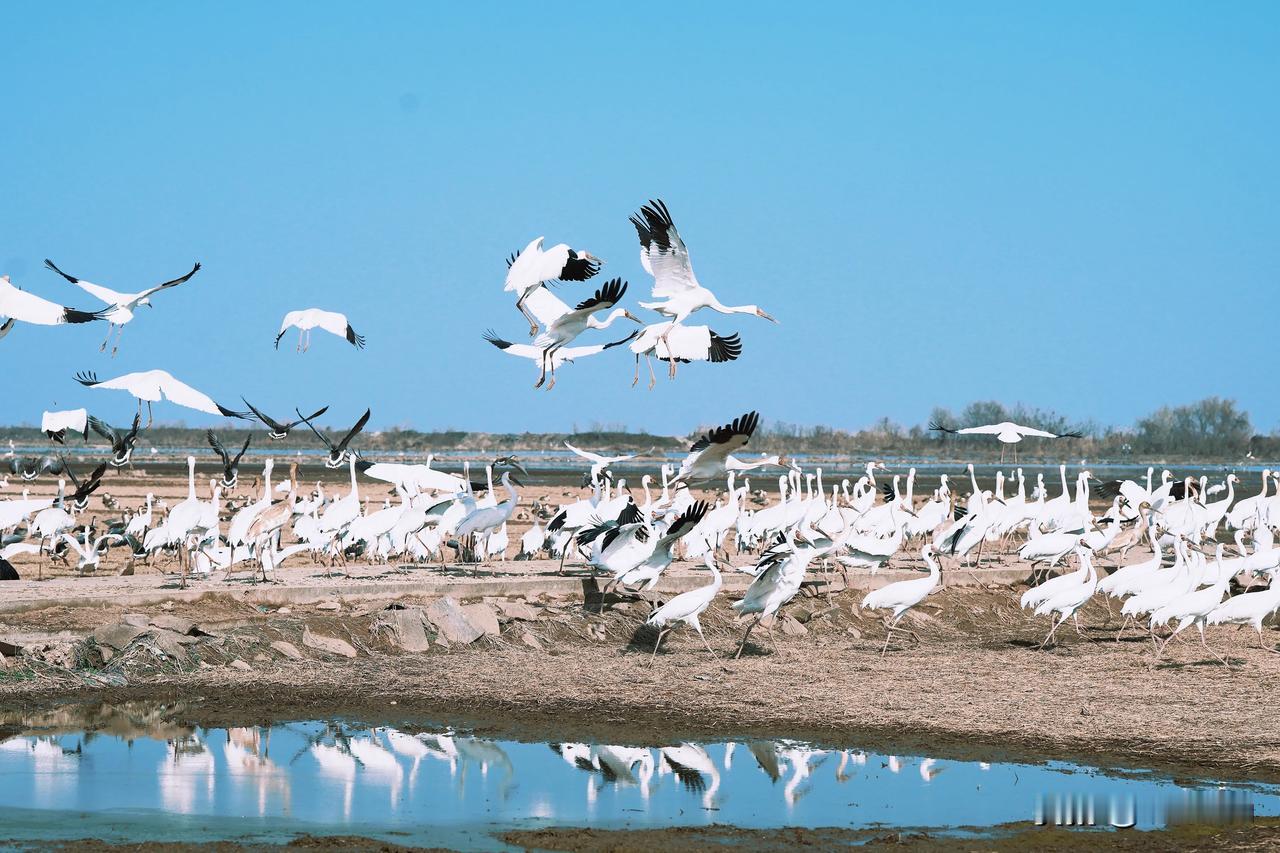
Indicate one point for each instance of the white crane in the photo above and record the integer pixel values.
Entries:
(566, 327)
(414, 479)
(155, 385)
(533, 266)
(710, 457)
(779, 574)
(902, 596)
(1070, 599)
(687, 607)
(664, 255)
(90, 552)
(312, 318)
(1006, 432)
(120, 306)
(675, 344)
(600, 462)
(558, 359)
(17, 304)
(481, 521)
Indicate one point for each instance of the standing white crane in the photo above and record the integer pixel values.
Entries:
(481, 521)
(120, 305)
(312, 318)
(687, 607)
(533, 266)
(155, 385)
(902, 596)
(1006, 432)
(664, 256)
(1070, 599)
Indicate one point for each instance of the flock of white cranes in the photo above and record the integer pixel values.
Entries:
(814, 528)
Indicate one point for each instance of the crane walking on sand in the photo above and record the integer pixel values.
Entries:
(904, 595)
(687, 607)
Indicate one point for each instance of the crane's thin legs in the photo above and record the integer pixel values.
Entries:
(706, 643)
(635, 380)
(1205, 643)
(662, 632)
(743, 644)
(1052, 631)
(543, 377)
(150, 419)
(119, 334)
(111, 327)
(653, 380)
(533, 323)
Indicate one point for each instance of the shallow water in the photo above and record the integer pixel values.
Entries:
(132, 773)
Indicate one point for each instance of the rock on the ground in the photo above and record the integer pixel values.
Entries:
(172, 643)
(517, 610)
(8, 649)
(531, 641)
(240, 665)
(176, 624)
(328, 605)
(332, 645)
(117, 636)
(791, 627)
(137, 620)
(287, 649)
(483, 617)
(452, 622)
(406, 627)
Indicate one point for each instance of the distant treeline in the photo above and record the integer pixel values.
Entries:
(1212, 429)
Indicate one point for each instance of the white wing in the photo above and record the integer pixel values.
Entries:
(990, 429)
(30, 308)
(529, 268)
(586, 454)
(419, 477)
(184, 395)
(662, 253)
(106, 294)
(545, 306)
(1039, 432)
(290, 319)
(72, 419)
(332, 321)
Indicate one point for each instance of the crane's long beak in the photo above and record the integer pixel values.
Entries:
(631, 316)
(765, 316)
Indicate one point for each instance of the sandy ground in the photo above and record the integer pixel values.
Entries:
(974, 686)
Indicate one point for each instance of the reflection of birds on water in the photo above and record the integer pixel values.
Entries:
(625, 765)
(847, 758)
(800, 758)
(187, 759)
(766, 756)
(246, 752)
(690, 763)
(53, 766)
(729, 747)
(462, 751)
(377, 765)
(419, 747)
(928, 769)
(337, 765)
(893, 764)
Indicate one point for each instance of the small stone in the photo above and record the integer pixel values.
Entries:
(406, 628)
(451, 622)
(10, 649)
(328, 605)
(284, 611)
(171, 642)
(166, 606)
(126, 571)
(791, 627)
(517, 610)
(176, 624)
(531, 641)
(855, 633)
(137, 620)
(332, 645)
(483, 617)
(116, 636)
(768, 621)
(287, 649)
(240, 665)
(261, 658)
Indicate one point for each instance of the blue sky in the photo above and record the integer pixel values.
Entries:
(1070, 205)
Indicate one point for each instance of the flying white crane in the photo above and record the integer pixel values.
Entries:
(412, 478)
(710, 456)
(664, 256)
(533, 266)
(17, 304)
(567, 326)
(1006, 432)
(312, 318)
(561, 357)
(120, 305)
(675, 344)
(599, 462)
(155, 385)
(90, 551)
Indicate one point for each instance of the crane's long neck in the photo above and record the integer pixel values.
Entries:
(355, 489)
(614, 315)
(266, 477)
(191, 478)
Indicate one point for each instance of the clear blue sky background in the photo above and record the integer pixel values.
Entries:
(1070, 205)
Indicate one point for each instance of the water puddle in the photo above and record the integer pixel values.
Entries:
(131, 773)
